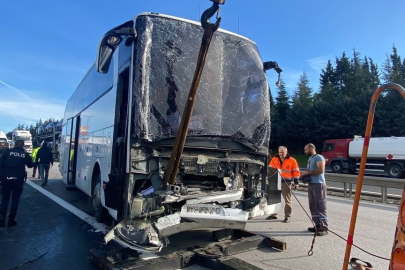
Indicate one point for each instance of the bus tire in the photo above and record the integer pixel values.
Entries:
(337, 167)
(100, 212)
(395, 171)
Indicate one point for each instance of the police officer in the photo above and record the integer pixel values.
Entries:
(3, 147)
(13, 175)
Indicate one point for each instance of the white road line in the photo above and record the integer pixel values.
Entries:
(79, 213)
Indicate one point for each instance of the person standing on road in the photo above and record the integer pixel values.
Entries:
(12, 175)
(4, 147)
(34, 155)
(44, 159)
(289, 172)
(316, 190)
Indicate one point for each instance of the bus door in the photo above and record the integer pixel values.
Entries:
(70, 153)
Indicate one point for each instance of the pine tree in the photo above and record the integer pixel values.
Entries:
(375, 75)
(279, 115)
(298, 117)
(327, 82)
(282, 105)
(342, 71)
(303, 93)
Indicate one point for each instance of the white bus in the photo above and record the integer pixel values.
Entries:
(120, 125)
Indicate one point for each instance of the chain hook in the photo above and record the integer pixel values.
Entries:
(207, 14)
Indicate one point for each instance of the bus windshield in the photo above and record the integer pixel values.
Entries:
(233, 97)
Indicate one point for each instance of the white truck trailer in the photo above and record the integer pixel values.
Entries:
(23, 135)
(385, 154)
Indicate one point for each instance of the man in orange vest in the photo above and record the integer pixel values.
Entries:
(289, 172)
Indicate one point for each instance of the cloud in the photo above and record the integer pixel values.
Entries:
(16, 107)
(319, 63)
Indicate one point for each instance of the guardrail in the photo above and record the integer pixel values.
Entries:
(349, 179)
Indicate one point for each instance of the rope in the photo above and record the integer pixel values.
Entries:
(311, 252)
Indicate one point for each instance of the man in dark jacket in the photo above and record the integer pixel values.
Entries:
(44, 159)
(3, 147)
(12, 174)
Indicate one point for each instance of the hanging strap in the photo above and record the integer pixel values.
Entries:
(209, 29)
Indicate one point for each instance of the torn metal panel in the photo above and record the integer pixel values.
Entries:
(264, 209)
(233, 195)
(143, 237)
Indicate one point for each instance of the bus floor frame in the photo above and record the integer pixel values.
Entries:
(216, 256)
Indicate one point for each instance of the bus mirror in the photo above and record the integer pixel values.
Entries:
(105, 51)
(110, 42)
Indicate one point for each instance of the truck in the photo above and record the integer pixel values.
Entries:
(3, 139)
(51, 138)
(385, 155)
(121, 122)
(24, 135)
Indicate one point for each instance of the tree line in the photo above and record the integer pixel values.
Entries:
(340, 108)
(33, 128)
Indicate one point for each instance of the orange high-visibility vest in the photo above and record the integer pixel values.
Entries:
(289, 168)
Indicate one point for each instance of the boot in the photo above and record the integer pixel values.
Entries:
(2, 222)
(11, 223)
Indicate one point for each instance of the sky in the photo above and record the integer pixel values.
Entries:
(46, 47)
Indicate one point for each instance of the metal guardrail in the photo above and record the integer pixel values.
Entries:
(349, 179)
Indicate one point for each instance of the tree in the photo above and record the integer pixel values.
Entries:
(342, 71)
(303, 93)
(279, 116)
(327, 82)
(298, 117)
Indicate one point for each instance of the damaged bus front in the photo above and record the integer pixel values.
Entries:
(223, 177)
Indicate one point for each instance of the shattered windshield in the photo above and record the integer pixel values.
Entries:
(233, 97)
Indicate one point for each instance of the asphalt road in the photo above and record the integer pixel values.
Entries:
(46, 228)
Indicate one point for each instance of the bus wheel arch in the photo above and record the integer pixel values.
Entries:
(99, 210)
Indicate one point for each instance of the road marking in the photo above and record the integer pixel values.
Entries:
(82, 215)
(76, 211)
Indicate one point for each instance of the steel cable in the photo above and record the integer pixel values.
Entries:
(311, 252)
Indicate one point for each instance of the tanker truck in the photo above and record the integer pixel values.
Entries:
(385, 155)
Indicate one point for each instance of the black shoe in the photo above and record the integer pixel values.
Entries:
(322, 232)
(11, 223)
(286, 220)
(312, 229)
(271, 217)
(2, 223)
(33, 176)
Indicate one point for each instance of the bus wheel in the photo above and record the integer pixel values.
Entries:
(99, 210)
(337, 167)
(395, 171)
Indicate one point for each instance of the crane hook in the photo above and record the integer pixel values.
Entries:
(207, 14)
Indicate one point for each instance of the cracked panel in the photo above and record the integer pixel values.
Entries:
(233, 97)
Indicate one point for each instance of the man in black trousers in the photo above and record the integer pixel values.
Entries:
(44, 160)
(12, 175)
